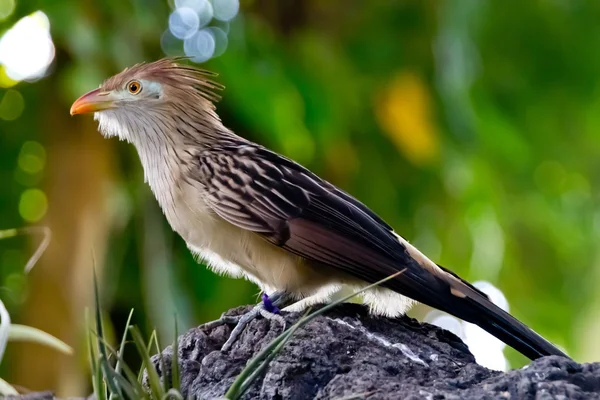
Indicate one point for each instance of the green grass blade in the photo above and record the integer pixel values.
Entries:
(122, 350)
(110, 381)
(101, 393)
(243, 381)
(155, 386)
(96, 361)
(103, 359)
(150, 341)
(123, 341)
(98, 315)
(175, 379)
(131, 377)
(161, 362)
(29, 334)
(126, 386)
(91, 350)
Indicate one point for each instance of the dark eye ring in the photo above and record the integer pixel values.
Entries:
(134, 87)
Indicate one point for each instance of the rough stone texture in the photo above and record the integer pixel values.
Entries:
(348, 353)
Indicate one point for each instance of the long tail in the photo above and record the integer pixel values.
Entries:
(507, 328)
(444, 290)
(474, 306)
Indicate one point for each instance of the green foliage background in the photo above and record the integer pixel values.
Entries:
(471, 126)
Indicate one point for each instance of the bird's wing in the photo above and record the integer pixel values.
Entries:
(261, 191)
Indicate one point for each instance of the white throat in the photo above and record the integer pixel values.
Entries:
(158, 150)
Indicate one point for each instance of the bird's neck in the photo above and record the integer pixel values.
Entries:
(166, 145)
(168, 156)
(163, 164)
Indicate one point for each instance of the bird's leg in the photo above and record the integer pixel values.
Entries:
(268, 308)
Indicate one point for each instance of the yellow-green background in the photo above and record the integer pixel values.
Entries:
(473, 127)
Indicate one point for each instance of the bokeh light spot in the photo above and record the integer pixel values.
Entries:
(201, 46)
(6, 8)
(32, 157)
(223, 25)
(183, 23)
(5, 80)
(221, 40)
(11, 105)
(26, 50)
(170, 45)
(205, 13)
(226, 9)
(404, 112)
(33, 205)
(197, 5)
(190, 22)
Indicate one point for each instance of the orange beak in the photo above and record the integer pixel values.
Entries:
(93, 101)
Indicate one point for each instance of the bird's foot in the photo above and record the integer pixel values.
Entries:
(245, 319)
(268, 309)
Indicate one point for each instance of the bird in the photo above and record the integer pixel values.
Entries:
(249, 212)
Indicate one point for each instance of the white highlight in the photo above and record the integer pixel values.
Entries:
(202, 8)
(406, 351)
(183, 23)
(201, 46)
(26, 50)
(226, 9)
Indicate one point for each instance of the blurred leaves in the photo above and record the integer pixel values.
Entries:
(471, 127)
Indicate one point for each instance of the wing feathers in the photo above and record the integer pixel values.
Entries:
(289, 206)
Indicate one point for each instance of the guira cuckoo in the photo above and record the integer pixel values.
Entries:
(250, 212)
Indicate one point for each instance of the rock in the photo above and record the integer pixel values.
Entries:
(347, 352)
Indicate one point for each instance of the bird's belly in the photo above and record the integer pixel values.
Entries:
(235, 252)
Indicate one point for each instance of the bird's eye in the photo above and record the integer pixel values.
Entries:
(134, 87)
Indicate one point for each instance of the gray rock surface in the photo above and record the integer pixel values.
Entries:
(348, 353)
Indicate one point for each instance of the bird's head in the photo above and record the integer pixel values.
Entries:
(148, 99)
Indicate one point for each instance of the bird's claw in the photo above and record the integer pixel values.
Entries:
(267, 309)
(245, 319)
(223, 320)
